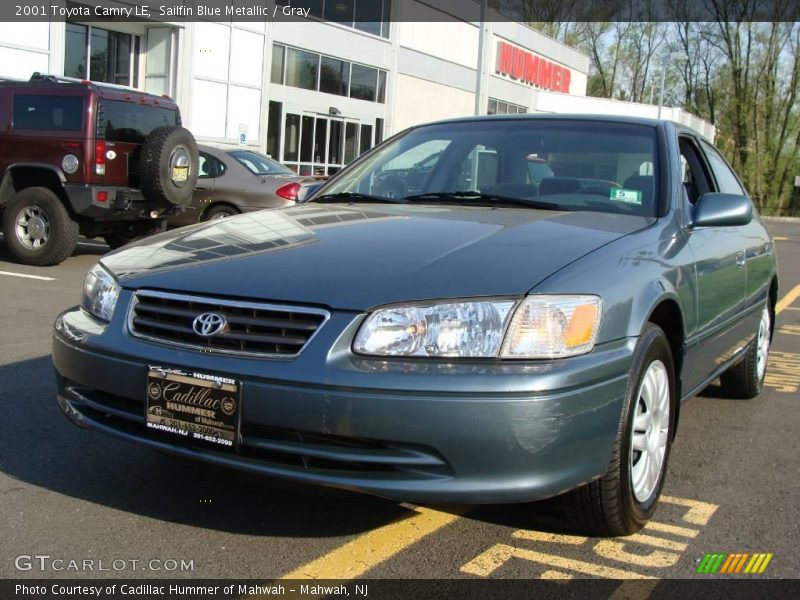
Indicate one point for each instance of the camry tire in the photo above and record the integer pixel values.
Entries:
(168, 165)
(38, 229)
(625, 497)
(745, 379)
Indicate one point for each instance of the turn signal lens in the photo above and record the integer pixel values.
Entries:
(553, 326)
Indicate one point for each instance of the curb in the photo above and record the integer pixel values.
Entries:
(781, 219)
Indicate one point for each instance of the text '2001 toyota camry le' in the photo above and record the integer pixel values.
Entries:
(524, 325)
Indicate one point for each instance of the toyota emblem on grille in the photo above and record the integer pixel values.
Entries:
(209, 324)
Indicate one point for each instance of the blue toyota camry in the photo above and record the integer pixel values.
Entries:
(523, 322)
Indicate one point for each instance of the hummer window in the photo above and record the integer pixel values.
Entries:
(119, 121)
(48, 112)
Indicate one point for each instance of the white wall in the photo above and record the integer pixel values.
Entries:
(420, 101)
(227, 78)
(553, 102)
(24, 48)
(453, 41)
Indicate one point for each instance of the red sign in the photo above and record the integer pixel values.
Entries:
(531, 69)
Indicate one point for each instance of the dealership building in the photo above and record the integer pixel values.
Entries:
(317, 92)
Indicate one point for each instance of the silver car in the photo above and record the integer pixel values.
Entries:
(233, 181)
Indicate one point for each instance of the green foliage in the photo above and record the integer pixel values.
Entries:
(742, 76)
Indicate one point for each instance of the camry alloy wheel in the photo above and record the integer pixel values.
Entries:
(33, 227)
(762, 344)
(650, 431)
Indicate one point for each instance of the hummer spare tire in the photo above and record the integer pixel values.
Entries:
(168, 165)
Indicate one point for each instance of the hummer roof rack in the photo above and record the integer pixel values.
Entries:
(38, 77)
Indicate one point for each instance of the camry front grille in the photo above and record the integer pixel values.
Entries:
(246, 328)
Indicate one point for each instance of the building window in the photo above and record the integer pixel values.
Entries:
(334, 76)
(498, 107)
(291, 137)
(364, 83)
(366, 139)
(111, 55)
(373, 16)
(370, 16)
(301, 69)
(381, 86)
(278, 59)
(378, 131)
(350, 141)
(306, 141)
(311, 71)
(75, 47)
(274, 129)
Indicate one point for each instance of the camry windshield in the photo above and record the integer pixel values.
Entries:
(560, 164)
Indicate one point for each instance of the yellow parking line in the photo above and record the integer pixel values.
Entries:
(543, 536)
(485, 564)
(699, 512)
(656, 542)
(556, 575)
(673, 529)
(790, 297)
(368, 550)
(780, 238)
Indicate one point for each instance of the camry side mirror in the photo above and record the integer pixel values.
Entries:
(722, 210)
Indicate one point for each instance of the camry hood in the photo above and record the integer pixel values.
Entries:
(358, 256)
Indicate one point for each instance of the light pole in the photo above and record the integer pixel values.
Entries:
(480, 106)
(671, 56)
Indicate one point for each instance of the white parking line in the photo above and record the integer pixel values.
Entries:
(26, 276)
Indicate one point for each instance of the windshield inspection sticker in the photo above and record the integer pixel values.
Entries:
(623, 195)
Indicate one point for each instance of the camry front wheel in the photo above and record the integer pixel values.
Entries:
(625, 497)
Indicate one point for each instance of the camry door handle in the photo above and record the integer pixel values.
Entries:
(740, 260)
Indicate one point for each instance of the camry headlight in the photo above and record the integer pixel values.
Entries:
(100, 293)
(540, 326)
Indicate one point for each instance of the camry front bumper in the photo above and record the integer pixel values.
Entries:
(417, 431)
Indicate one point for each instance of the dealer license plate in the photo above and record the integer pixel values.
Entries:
(180, 174)
(194, 406)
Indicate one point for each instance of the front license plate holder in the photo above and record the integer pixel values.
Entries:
(194, 406)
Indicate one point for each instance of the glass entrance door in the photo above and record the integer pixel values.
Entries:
(319, 145)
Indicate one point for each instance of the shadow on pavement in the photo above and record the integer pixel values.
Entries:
(85, 247)
(40, 447)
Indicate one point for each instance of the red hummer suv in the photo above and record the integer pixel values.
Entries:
(83, 158)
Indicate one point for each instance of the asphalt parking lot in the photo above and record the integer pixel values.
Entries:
(70, 494)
